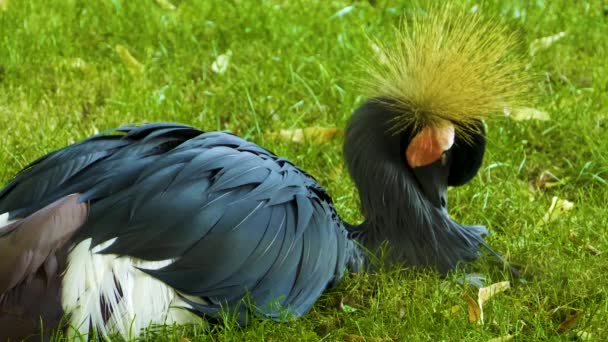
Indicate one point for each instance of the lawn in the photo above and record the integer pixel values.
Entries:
(71, 68)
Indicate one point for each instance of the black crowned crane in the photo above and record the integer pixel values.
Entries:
(164, 223)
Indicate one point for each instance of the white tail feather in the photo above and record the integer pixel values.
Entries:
(94, 283)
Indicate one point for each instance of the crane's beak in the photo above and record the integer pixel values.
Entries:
(433, 180)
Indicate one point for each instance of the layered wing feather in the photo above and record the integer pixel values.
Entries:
(236, 220)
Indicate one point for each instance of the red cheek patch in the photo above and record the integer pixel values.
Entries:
(428, 145)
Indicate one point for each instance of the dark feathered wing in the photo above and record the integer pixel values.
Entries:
(235, 218)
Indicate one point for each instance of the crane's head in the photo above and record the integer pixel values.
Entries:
(410, 167)
(438, 157)
(430, 90)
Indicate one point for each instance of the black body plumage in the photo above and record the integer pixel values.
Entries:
(236, 219)
(395, 209)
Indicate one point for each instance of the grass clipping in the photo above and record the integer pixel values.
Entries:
(448, 64)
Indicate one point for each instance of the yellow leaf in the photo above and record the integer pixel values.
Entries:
(526, 113)
(473, 309)
(501, 338)
(557, 209)
(166, 5)
(133, 65)
(485, 293)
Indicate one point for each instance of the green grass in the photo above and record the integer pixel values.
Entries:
(290, 67)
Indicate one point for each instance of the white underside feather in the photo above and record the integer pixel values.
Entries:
(92, 279)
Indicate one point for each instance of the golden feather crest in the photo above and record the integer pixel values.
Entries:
(448, 65)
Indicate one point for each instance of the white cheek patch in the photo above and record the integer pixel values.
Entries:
(445, 137)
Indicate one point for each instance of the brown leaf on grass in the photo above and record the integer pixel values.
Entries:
(484, 294)
(183, 339)
(569, 322)
(316, 135)
(473, 309)
(133, 65)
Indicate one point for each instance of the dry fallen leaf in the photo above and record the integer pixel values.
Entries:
(221, 63)
(545, 42)
(557, 209)
(501, 338)
(570, 322)
(473, 309)
(166, 5)
(526, 113)
(317, 135)
(133, 65)
(183, 339)
(485, 293)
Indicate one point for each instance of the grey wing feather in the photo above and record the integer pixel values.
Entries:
(236, 219)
